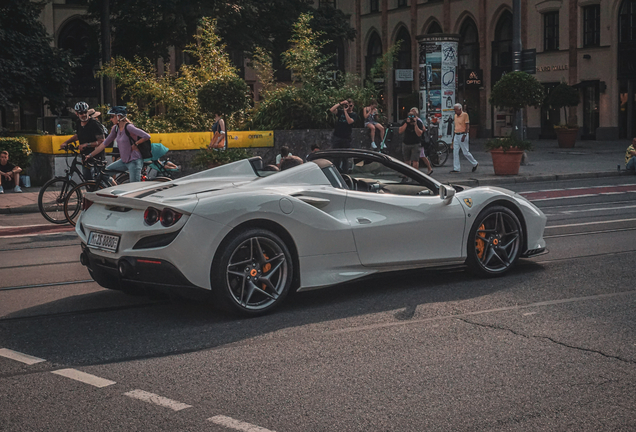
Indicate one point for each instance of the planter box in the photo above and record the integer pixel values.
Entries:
(506, 163)
(566, 137)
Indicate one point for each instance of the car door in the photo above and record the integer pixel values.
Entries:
(397, 229)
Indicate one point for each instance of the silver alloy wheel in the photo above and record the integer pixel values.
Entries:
(257, 273)
(497, 241)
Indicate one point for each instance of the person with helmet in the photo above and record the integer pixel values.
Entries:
(128, 137)
(89, 133)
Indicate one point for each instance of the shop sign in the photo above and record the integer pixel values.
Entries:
(474, 78)
(552, 68)
(404, 75)
(242, 139)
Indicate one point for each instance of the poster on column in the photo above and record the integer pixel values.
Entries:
(440, 52)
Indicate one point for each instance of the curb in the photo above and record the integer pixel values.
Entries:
(503, 180)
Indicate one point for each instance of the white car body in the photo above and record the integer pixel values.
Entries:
(334, 234)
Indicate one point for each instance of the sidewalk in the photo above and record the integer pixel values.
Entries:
(548, 162)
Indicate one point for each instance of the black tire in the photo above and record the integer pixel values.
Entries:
(122, 178)
(51, 199)
(494, 242)
(75, 199)
(253, 273)
(441, 154)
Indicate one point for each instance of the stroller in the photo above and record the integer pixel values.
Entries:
(155, 167)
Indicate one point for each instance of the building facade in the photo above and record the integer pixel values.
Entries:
(589, 44)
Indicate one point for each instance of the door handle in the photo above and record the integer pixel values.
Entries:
(363, 220)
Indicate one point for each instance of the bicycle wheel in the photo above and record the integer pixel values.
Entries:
(51, 199)
(442, 153)
(122, 178)
(75, 199)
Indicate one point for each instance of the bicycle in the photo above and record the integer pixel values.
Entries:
(438, 150)
(74, 201)
(54, 192)
(154, 169)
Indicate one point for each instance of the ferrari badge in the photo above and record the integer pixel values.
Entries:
(469, 202)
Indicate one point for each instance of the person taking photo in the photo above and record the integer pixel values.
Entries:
(413, 128)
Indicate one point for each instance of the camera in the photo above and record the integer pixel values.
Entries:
(411, 116)
(345, 106)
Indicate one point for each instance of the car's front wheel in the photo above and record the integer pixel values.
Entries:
(495, 241)
(253, 273)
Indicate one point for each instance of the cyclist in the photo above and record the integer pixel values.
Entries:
(128, 137)
(89, 133)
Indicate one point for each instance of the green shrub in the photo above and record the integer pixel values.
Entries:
(225, 96)
(205, 157)
(19, 150)
(507, 143)
(563, 96)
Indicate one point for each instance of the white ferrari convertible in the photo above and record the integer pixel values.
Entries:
(249, 235)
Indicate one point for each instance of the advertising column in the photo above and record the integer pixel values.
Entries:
(438, 80)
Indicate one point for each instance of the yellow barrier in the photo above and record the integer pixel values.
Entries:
(50, 144)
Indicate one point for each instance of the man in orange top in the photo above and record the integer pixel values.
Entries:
(460, 140)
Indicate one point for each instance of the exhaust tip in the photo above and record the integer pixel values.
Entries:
(84, 259)
(124, 268)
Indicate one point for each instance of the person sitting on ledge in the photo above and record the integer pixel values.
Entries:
(630, 157)
(9, 174)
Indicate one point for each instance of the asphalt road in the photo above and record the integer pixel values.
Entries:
(550, 346)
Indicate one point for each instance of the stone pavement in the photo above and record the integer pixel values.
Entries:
(547, 162)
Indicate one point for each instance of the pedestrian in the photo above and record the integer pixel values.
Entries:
(461, 140)
(314, 148)
(413, 128)
(90, 134)
(290, 162)
(630, 157)
(9, 174)
(284, 152)
(345, 117)
(128, 138)
(219, 133)
(370, 122)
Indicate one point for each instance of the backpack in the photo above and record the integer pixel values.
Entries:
(144, 147)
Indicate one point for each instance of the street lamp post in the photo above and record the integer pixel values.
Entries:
(516, 58)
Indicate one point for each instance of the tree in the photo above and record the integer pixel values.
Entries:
(517, 90)
(29, 66)
(169, 23)
(563, 96)
(150, 95)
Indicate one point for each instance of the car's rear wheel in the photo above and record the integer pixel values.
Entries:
(253, 274)
(495, 241)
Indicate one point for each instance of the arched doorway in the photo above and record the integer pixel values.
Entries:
(403, 96)
(627, 69)
(501, 120)
(79, 38)
(374, 53)
(468, 64)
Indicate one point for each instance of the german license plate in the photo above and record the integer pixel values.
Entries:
(103, 241)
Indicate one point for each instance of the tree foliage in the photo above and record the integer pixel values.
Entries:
(304, 104)
(149, 28)
(29, 66)
(563, 96)
(224, 96)
(169, 103)
(517, 90)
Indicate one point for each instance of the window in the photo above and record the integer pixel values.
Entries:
(551, 31)
(401, 3)
(592, 25)
(327, 3)
(627, 21)
(375, 5)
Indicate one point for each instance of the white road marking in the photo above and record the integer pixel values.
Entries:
(37, 234)
(84, 377)
(17, 356)
(529, 313)
(157, 400)
(591, 210)
(591, 223)
(564, 197)
(236, 424)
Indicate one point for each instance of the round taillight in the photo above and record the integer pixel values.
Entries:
(169, 217)
(151, 216)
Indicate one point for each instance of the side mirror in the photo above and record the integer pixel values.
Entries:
(446, 192)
